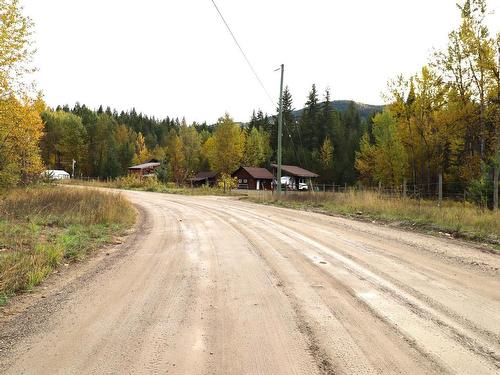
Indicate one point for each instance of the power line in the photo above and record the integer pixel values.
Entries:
(243, 53)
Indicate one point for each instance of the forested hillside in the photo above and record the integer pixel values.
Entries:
(365, 110)
(104, 143)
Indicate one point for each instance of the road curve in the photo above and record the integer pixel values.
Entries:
(214, 285)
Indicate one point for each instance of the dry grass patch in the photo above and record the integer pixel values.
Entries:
(134, 182)
(42, 227)
(463, 219)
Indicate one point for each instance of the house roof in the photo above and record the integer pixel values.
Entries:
(145, 165)
(257, 173)
(201, 176)
(296, 171)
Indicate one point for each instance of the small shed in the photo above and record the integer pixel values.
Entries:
(144, 169)
(205, 178)
(253, 178)
(299, 178)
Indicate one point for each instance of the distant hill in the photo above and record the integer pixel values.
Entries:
(365, 110)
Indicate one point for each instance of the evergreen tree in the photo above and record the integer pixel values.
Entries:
(163, 171)
(309, 124)
(63, 140)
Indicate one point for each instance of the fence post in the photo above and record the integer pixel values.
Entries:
(495, 188)
(404, 187)
(440, 189)
(333, 187)
(379, 187)
(324, 188)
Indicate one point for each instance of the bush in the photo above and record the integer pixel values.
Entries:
(133, 181)
(163, 171)
(480, 191)
(227, 182)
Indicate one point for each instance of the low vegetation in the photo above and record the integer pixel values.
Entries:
(42, 227)
(459, 219)
(133, 182)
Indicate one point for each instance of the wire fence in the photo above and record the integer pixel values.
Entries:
(453, 191)
(449, 191)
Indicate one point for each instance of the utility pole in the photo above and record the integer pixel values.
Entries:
(73, 168)
(280, 129)
(496, 162)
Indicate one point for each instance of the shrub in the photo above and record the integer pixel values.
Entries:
(227, 182)
(479, 191)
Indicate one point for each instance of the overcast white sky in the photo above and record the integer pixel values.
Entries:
(176, 58)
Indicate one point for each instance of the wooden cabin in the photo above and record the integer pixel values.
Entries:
(253, 178)
(144, 169)
(205, 178)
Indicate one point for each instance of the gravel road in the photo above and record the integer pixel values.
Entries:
(215, 285)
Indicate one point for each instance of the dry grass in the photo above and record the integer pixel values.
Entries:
(66, 206)
(43, 226)
(461, 219)
(133, 182)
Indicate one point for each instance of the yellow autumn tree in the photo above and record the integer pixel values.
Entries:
(384, 161)
(15, 47)
(177, 159)
(326, 153)
(20, 132)
(141, 151)
(228, 146)
(20, 123)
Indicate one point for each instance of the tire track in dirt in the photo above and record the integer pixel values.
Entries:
(218, 286)
(323, 357)
(409, 301)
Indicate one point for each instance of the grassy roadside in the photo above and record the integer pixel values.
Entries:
(42, 227)
(147, 184)
(458, 219)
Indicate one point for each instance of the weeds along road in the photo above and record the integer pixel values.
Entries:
(213, 285)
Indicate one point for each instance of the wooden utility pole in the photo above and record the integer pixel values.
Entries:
(280, 130)
(496, 162)
(495, 186)
(440, 188)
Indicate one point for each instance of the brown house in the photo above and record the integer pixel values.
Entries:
(144, 169)
(253, 178)
(205, 178)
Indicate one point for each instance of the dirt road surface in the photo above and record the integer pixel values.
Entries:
(214, 285)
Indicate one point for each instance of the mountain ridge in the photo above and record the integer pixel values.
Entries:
(364, 110)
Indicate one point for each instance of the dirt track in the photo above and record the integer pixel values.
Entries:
(219, 286)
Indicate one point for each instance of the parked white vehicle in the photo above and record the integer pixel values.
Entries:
(56, 174)
(290, 183)
(303, 184)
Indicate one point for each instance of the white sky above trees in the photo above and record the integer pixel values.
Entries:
(176, 58)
